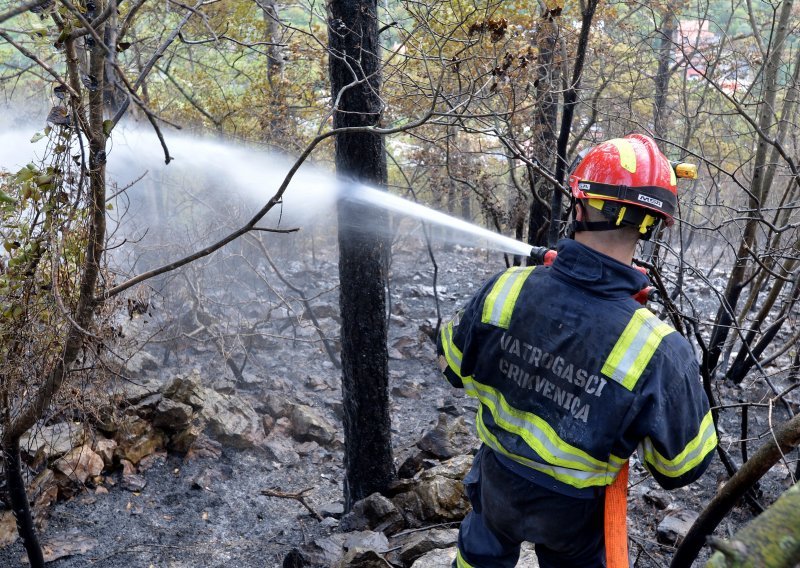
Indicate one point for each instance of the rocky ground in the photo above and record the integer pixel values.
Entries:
(202, 465)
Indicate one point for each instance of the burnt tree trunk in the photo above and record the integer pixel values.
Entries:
(570, 102)
(544, 125)
(19, 503)
(355, 84)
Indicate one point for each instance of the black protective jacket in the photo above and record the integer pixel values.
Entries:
(573, 375)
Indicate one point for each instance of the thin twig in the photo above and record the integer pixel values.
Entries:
(22, 8)
(299, 497)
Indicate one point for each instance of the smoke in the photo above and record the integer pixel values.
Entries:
(16, 148)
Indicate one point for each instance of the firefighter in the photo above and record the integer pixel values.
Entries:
(573, 375)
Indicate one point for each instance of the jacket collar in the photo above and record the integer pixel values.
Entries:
(596, 272)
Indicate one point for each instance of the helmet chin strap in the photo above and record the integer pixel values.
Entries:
(616, 218)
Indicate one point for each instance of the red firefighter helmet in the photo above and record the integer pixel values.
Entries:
(629, 180)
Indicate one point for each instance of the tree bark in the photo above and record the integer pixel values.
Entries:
(80, 320)
(772, 539)
(570, 101)
(544, 125)
(355, 84)
(663, 74)
(19, 503)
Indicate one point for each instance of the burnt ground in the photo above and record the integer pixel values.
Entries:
(199, 510)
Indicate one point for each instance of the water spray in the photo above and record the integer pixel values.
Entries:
(383, 200)
(253, 173)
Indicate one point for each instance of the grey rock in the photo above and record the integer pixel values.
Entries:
(450, 437)
(329, 551)
(422, 291)
(229, 418)
(187, 390)
(203, 447)
(323, 311)
(376, 513)
(80, 464)
(280, 449)
(337, 407)
(172, 415)
(136, 438)
(437, 558)
(136, 391)
(133, 482)
(335, 510)
(185, 440)
(232, 420)
(309, 425)
(44, 489)
(139, 363)
(436, 494)
(317, 383)
(416, 544)
(443, 557)
(658, 498)
(396, 354)
(408, 390)
(372, 540)
(105, 447)
(275, 405)
(53, 441)
(363, 558)
(673, 528)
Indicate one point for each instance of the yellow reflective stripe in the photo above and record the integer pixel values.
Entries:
(451, 352)
(499, 304)
(535, 431)
(635, 348)
(573, 477)
(627, 155)
(618, 462)
(694, 452)
(460, 562)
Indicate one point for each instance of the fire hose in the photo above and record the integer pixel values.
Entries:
(615, 517)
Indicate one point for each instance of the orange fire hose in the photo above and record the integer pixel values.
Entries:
(616, 521)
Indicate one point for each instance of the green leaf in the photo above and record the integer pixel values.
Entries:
(44, 179)
(6, 198)
(24, 175)
(108, 126)
(36, 137)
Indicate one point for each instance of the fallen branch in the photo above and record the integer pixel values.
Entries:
(786, 437)
(300, 496)
(772, 539)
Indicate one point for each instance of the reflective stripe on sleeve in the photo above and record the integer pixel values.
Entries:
(451, 352)
(693, 453)
(499, 304)
(635, 348)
